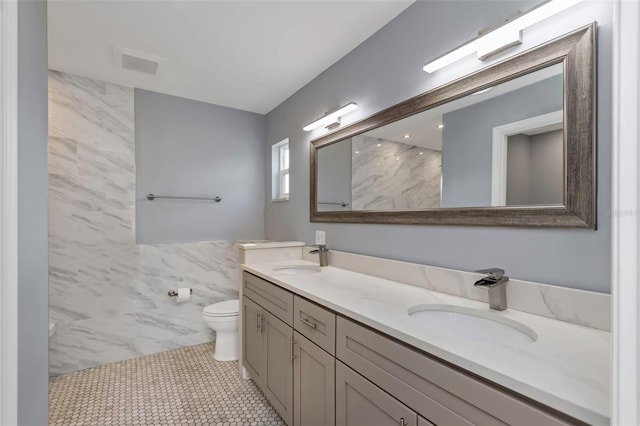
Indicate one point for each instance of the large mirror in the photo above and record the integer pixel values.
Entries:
(510, 145)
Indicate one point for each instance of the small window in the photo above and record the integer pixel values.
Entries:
(280, 167)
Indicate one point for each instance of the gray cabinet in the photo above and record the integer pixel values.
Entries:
(297, 376)
(330, 370)
(252, 338)
(439, 392)
(361, 403)
(424, 422)
(277, 380)
(268, 356)
(313, 384)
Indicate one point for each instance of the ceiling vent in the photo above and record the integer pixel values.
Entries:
(138, 61)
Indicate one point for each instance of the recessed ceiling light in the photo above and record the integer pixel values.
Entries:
(421, 153)
(407, 136)
(379, 144)
(397, 158)
(357, 152)
(440, 126)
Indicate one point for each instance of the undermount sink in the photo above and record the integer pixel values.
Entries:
(297, 269)
(472, 324)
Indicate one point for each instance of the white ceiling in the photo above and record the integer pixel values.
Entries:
(250, 55)
(423, 127)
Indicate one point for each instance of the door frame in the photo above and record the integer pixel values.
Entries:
(625, 216)
(500, 138)
(8, 212)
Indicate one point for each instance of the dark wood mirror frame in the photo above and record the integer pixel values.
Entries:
(576, 51)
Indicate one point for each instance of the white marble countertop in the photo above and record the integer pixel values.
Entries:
(566, 368)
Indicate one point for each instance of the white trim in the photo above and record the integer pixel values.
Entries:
(625, 216)
(277, 172)
(537, 124)
(8, 212)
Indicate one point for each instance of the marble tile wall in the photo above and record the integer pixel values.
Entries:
(108, 295)
(394, 175)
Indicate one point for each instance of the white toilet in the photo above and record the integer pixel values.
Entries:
(222, 317)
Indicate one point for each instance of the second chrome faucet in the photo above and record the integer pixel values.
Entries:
(495, 281)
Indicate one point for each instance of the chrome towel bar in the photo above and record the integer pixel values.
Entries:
(152, 197)
(342, 203)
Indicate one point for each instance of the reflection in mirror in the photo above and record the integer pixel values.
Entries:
(393, 175)
(534, 169)
(501, 146)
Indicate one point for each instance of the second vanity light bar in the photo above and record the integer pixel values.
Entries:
(502, 37)
(331, 117)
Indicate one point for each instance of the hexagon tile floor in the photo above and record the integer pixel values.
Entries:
(185, 386)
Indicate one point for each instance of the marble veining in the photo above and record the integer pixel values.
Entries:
(108, 295)
(576, 306)
(392, 175)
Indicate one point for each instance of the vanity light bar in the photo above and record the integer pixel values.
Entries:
(502, 37)
(331, 117)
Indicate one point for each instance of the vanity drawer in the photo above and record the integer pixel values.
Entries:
(444, 395)
(274, 299)
(315, 323)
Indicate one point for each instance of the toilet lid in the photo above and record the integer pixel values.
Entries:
(226, 308)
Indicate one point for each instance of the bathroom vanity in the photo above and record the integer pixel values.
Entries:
(332, 346)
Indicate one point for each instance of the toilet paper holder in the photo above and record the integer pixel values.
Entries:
(173, 293)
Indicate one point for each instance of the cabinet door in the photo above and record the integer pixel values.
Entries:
(252, 339)
(424, 422)
(313, 384)
(361, 403)
(277, 385)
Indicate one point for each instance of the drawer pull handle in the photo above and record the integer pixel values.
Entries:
(259, 323)
(309, 323)
(402, 422)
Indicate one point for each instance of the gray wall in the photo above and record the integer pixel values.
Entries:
(546, 168)
(33, 384)
(535, 169)
(191, 148)
(386, 69)
(518, 170)
(467, 139)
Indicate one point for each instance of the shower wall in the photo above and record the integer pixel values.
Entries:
(107, 294)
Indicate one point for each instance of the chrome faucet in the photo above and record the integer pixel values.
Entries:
(496, 282)
(323, 251)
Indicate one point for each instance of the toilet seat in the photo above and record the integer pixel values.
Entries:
(228, 308)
